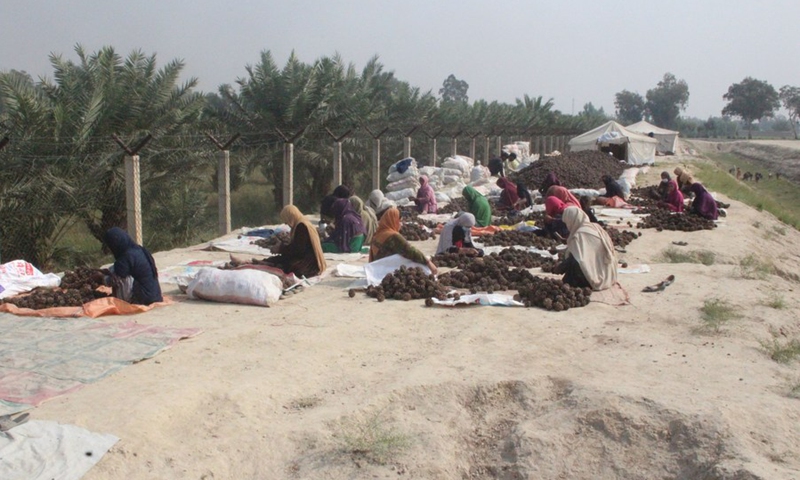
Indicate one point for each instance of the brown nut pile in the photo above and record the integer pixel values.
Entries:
(408, 284)
(486, 274)
(621, 238)
(552, 294)
(510, 257)
(452, 260)
(456, 205)
(537, 217)
(509, 238)
(81, 276)
(77, 288)
(274, 241)
(662, 219)
(414, 232)
(575, 169)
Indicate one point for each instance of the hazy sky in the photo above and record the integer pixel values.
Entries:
(572, 51)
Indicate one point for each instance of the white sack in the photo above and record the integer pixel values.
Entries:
(401, 194)
(248, 287)
(395, 176)
(19, 276)
(409, 182)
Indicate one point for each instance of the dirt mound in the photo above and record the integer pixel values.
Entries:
(544, 429)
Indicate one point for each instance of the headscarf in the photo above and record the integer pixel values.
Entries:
(326, 205)
(378, 202)
(591, 246)
(292, 216)
(509, 195)
(465, 221)
(426, 197)
(562, 194)
(478, 205)
(683, 177)
(368, 217)
(665, 177)
(388, 226)
(348, 224)
(119, 242)
(675, 197)
(704, 204)
(550, 180)
(342, 192)
(554, 206)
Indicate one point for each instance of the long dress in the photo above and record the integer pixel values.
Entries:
(134, 270)
(591, 247)
(303, 254)
(478, 205)
(388, 240)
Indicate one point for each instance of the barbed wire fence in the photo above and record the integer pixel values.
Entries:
(174, 190)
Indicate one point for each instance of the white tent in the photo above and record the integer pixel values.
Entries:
(624, 144)
(667, 139)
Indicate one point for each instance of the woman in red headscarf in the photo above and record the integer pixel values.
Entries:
(674, 200)
(426, 197)
(509, 196)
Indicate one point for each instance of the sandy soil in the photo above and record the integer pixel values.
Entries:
(322, 386)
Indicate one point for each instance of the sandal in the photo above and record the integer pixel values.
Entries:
(661, 286)
(681, 244)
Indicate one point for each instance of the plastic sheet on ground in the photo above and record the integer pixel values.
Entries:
(375, 271)
(499, 248)
(643, 268)
(41, 358)
(615, 212)
(19, 276)
(243, 244)
(96, 308)
(483, 299)
(39, 450)
(344, 257)
(436, 217)
(349, 271)
(183, 272)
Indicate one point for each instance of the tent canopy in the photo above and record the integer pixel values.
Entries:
(635, 148)
(667, 139)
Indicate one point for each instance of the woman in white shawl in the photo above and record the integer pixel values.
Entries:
(456, 237)
(590, 260)
(378, 202)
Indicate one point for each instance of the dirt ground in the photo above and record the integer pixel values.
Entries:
(322, 386)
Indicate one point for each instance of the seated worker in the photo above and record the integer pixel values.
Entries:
(426, 197)
(703, 203)
(368, 217)
(557, 200)
(456, 236)
(684, 179)
(325, 213)
(134, 276)
(478, 205)
(525, 199)
(613, 189)
(342, 191)
(388, 241)
(674, 200)
(379, 203)
(509, 196)
(348, 233)
(663, 186)
(303, 254)
(590, 260)
(549, 180)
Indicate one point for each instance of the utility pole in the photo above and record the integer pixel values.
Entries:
(288, 165)
(133, 193)
(376, 156)
(224, 182)
(337, 155)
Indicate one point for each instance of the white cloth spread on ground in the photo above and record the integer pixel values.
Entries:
(378, 269)
(39, 450)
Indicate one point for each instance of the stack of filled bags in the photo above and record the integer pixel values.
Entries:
(403, 181)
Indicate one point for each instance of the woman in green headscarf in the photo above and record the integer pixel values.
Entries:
(478, 205)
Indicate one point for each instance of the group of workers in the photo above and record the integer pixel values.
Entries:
(590, 260)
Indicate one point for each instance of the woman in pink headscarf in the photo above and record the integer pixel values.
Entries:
(674, 200)
(426, 197)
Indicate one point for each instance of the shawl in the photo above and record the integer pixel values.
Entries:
(478, 205)
(292, 216)
(426, 197)
(591, 246)
(368, 217)
(465, 220)
(675, 197)
(684, 178)
(554, 206)
(509, 195)
(704, 204)
(348, 224)
(550, 180)
(563, 194)
(378, 202)
(388, 226)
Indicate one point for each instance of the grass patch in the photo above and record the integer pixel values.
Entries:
(373, 439)
(775, 301)
(782, 352)
(716, 312)
(780, 230)
(794, 390)
(777, 196)
(674, 255)
(753, 268)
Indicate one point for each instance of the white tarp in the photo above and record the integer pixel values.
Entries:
(667, 139)
(640, 150)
